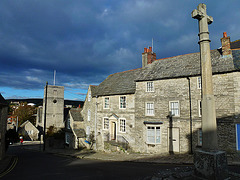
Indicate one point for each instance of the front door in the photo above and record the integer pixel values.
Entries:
(113, 131)
(173, 139)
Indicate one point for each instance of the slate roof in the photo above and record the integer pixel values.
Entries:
(94, 90)
(76, 114)
(235, 44)
(79, 132)
(119, 83)
(26, 122)
(173, 67)
(189, 65)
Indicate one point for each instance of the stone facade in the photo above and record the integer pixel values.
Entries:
(74, 129)
(55, 107)
(89, 112)
(163, 105)
(114, 114)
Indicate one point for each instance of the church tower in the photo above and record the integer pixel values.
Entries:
(55, 107)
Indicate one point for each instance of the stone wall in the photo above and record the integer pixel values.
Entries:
(3, 125)
(89, 105)
(115, 113)
(227, 98)
(226, 91)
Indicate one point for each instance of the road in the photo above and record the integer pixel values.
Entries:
(37, 165)
(34, 165)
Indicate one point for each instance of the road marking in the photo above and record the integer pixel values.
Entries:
(14, 163)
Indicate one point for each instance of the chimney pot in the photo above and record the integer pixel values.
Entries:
(224, 34)
(145, 50)
(150, 49)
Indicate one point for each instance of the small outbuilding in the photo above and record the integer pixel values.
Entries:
(29, 131)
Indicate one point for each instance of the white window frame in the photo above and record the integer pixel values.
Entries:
(68, 122)
(89, 115)
(155, 127)
(104, 102)
(122, 125)
(124, 104)
(170, 108)
(199, 108)
(199, 136)
(30, 132)
(104, 127)
(150, 86)
(199, 82)
(89, 96)
(148, 110)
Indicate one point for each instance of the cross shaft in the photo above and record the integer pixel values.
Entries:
(209, 127)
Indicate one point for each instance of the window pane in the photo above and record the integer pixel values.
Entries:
(150, 109)
(151, 135)
(123, 102)
(174, 108)
(157, 134)
(122, 125)
(200, 137)
(149, 86)
(106, 103)
(106, 123)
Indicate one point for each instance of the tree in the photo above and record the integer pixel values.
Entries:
(25, 112)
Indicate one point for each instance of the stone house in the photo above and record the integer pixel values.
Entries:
(157, 108)
(89, 111)
(74, 129)
(3, 125)
(29, 131)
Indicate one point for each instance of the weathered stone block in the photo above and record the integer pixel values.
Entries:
(210, 165)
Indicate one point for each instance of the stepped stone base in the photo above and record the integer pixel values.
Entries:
(210, 165)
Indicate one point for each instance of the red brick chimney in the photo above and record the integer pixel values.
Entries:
(226, 49)
(148, 56)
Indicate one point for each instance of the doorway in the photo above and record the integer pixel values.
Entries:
(173, 140)
(113, 130)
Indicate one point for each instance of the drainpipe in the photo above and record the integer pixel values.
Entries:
(95, 131)
(190, 113)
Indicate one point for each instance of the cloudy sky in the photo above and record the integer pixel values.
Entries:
(87, 40)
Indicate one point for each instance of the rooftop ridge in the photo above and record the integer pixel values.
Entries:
(235, 41)
(181, 55)
(125, 71)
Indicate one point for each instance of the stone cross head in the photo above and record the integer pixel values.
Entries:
(201, 12)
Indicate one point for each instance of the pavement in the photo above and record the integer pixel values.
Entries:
(9, 161)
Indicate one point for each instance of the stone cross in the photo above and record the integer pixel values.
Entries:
(209, 125)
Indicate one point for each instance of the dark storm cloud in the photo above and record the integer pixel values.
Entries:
(85, 41)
